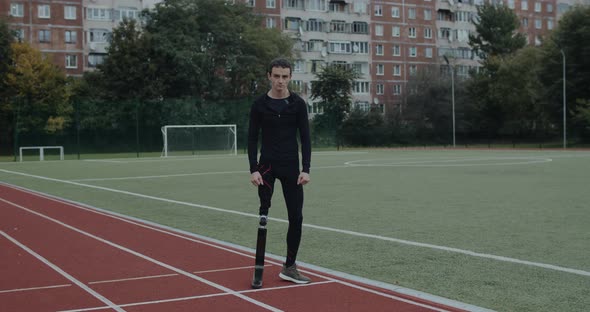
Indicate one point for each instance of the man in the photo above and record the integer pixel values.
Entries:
(279, 114)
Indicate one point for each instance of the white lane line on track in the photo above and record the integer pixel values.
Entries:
(167, 275)
(95, 294)
(33, 288)
(134, 304)
(144, 257)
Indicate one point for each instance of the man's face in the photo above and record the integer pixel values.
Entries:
(279, 78)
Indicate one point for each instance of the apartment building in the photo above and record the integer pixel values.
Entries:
(386, 41)
(53, 27)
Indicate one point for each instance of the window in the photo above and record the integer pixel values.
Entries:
(298, 66)
(360, 28)
(538, 23)
(395, 12)
(44, 11)
(427, 33)
(412, 13)
(44, 35)
(427, 14)
(397, 89)
(549, 24)
(412, 32)
(292, 23)
(524, 5)
(396, 50)
(444, 33)
(250, 3)
(413, 70)
(380, 69)
(17, 9)
(99, 35)
(128, 13)
(428, 52)
(549, 7)
(379, 30)
(296, 85)
(360, 7)
(71, 61)
(413, 51)
(70, 12)
(360, 87)
(339, 26)
(314, 25)
(362, 106)
(397, 70)
(316, 66)
(71, 36)
(98, 14)
(537, 6)
(378, 10)
(340, 47)
(360, 47)
(511, 4)
(270, 22)
(463, 16)
(293, 4)
(525, 22)
(380, 88)
(379, 49)
(361, 68)
(270, 4)
(315, 45)
(395, 31)
(314, 5)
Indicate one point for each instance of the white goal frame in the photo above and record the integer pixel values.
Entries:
(41, 151)
(232, 128)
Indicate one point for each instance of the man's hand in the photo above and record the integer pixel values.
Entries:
(256, 178)
(303, 178)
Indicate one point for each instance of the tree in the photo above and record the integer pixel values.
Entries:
(333, 89)
(496, 31)
(206, 49)
(41, 88)
(572, 37)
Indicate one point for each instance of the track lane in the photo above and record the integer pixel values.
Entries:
(191, 254)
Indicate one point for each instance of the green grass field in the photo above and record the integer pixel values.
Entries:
(507, 230)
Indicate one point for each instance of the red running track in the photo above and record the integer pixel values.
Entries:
(59, 256)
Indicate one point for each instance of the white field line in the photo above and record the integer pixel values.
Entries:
(196, 157)
(139, 255)
(34, 288)
(185, 175)
(232, 248)
(200, 296)
(352, 233)
(397, 162)
(95, 294)
(166, 275)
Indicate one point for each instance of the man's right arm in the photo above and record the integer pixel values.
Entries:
(253, 132)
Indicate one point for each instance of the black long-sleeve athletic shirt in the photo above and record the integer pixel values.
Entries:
(279, 120)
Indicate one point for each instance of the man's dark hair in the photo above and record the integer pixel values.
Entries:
(280, 62)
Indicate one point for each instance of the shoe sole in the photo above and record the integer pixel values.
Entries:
(290, 279)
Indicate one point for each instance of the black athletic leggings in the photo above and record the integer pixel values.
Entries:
(287, 173)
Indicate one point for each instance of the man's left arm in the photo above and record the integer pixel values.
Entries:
(305, 138)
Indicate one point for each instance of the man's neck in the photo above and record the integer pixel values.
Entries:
(278, 94)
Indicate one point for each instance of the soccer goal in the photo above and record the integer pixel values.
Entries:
(187, 140)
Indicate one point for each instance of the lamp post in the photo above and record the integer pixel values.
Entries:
(452, 94)
(564, 105)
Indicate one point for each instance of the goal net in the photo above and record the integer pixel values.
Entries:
(187, 140)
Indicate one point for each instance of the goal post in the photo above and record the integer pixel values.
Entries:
(184, 140)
